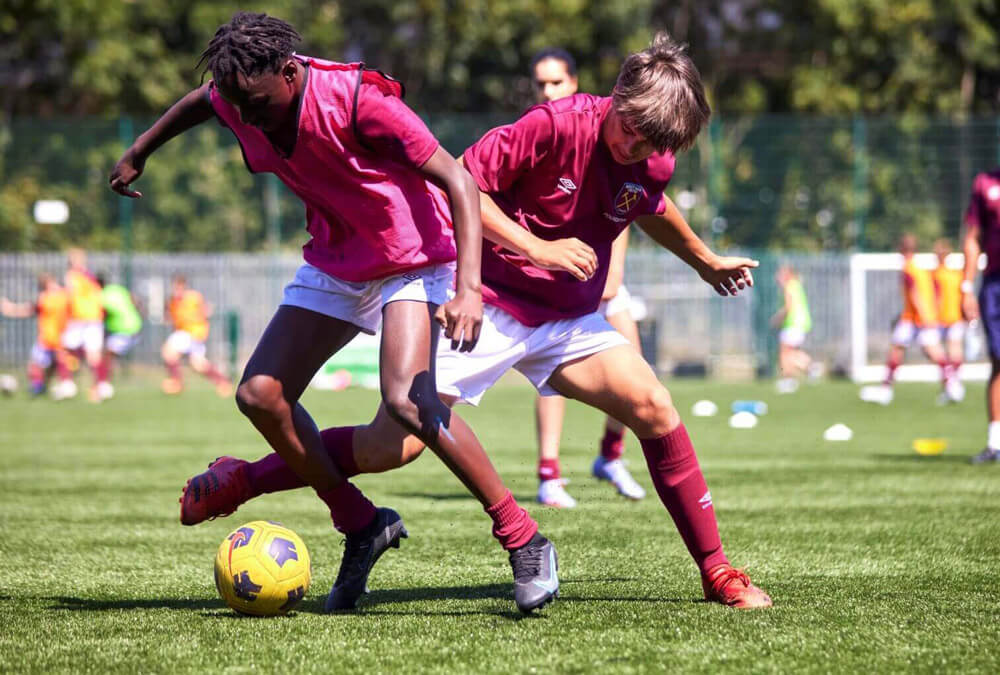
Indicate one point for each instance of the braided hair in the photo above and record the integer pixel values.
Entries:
(249, 44)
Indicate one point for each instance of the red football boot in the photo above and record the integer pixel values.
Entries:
(216, 493)
(731, 587)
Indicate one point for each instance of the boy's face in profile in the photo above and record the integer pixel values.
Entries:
(263, 100)
(627, 146)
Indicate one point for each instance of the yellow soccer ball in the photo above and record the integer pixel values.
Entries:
(262, 568)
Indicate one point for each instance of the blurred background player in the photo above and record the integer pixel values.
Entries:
(189, 314)
(795, 322)
(122, 323)
(982, 235)
(554, 74)
(918, 322)
(948, 292)
(52, 309)
(84, 334)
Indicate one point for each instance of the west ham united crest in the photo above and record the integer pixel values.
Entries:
(628, 197)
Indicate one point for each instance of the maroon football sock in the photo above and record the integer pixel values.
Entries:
(682, 489)
(512, 526)
(215, 375)
(613, 444)
(339, 445)
(174, 369)
(103, 370)
(350, 510)
(890, 375)
(272, 474)
(548, 469)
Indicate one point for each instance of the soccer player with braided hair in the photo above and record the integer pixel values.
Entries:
(544, 270)
(387, 243)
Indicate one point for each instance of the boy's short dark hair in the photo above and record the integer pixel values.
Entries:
(249, 44)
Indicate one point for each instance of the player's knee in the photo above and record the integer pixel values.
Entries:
(259, 396)
(417, 407)
(654, 409)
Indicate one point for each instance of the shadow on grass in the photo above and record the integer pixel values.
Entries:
(929, 459)
(371, 603)
(453, 496)
(69, 603)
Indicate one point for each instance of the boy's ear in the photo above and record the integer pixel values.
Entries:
(289, 71)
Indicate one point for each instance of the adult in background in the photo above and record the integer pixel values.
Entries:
(554, 74)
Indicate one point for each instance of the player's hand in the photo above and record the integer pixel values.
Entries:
(729, 275)
(970, 306)
(126, 171)
(566, 255)
(461, 318)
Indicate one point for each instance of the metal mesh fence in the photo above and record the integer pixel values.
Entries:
(687, 322)
(792, 182)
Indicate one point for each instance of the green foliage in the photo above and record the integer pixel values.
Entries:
(465, 66)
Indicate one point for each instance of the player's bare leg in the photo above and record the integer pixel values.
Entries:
(619, 382)
(608, 465)
(992, 451)
(549, 414)
(201, 365)
(174, 383)
(409, 392)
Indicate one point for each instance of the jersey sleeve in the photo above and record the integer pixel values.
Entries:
(973, 214)
(392, 129)
(504, 154)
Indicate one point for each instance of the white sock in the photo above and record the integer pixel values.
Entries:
(993, 436)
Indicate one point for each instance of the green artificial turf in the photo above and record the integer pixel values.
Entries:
(878, 560)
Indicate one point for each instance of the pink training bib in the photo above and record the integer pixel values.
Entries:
(370, 210)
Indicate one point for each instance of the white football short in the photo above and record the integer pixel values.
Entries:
(505, 343)
(183, 343)
(953, 333)
(85, 335)
(42, 356)
(904, 333)
(791, 336)
(120, 344)
(361, 302)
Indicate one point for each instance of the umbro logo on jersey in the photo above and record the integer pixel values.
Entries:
(566, 185)
(705, 501)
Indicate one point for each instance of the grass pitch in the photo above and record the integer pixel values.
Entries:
(878, 560)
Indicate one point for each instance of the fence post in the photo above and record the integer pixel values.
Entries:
(859, 137)
(272, 211)
(125, 208)
(764, 303)
(233, 337)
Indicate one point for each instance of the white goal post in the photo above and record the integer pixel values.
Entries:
(875, 300)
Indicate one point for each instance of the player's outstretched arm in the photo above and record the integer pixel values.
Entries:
(727, 275)
(971, 249)
(188, 112)
(462, 316)
(16, 310)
